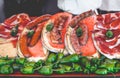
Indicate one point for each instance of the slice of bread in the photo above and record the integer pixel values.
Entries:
(7, 49)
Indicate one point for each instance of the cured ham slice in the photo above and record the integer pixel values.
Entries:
(10, 29)
(106, 35)
(78, 37)
(53, 33)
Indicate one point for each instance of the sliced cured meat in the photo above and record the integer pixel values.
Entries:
(107, 35)
(38, 20)
(17, 19)
(29, 43)
(53, 33)
(81, 44)
(79, 40)
(10, 20)
(36, 35)
(77, 18)
(14, 25)
(9, 32)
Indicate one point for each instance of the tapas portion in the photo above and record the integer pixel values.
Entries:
(10, 30)
(78, 37)
(106, 35)
(29, 42)
(53, 33)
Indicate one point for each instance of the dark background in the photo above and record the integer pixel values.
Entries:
(32, 7)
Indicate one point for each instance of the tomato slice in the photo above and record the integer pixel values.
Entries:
(37, 50)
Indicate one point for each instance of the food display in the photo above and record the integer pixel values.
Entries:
(60, 44)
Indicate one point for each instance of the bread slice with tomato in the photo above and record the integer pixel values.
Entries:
(78, 38)
(53, 33)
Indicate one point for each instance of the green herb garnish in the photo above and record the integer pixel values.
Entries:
(14, 31)
(49, 27)
(79, 31)
(30, 33)
(109, 34)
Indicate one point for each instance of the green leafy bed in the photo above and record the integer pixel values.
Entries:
(60, 64)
